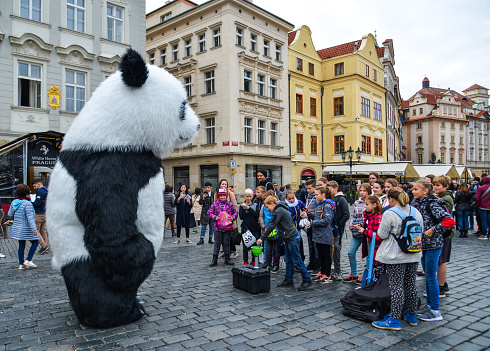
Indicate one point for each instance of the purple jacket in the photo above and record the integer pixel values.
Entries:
(216, 209)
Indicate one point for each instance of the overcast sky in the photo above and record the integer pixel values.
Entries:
(447, 41)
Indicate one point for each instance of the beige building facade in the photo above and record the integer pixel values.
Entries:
(231, 56)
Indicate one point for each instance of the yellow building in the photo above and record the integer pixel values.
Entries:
(337, 101)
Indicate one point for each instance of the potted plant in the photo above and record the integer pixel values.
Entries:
(7, 228)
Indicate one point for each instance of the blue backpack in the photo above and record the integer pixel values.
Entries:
(410, 238)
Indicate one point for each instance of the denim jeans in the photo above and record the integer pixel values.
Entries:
(203, 229)
(485, 221)
(354, 246)
(462, 217)
(293, 258)
(430, 261)
(32, 250)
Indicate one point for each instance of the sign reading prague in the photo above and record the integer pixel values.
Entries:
(42, 153)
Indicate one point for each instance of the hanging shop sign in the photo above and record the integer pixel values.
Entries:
(42, 153)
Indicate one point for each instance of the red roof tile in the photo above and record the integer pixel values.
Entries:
(339, 50)
(387, 41)
(425, 79)
(475, 86)
(432, 93)
(380, 51)
(291, 36)
(405, 104)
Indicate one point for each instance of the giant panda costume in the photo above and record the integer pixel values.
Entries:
(105, 206)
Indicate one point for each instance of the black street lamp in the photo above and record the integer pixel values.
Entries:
(347, 157)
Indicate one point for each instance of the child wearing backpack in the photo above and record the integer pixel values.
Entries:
(369, 229)
(401, 220)
(437, 221)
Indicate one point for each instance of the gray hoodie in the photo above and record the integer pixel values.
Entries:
(286, 228)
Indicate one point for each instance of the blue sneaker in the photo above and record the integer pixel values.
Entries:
(388, 323)
(411, 318)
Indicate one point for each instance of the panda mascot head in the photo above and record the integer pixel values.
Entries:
(105, 208)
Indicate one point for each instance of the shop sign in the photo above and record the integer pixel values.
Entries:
(226, 143)
(42, 153)
(308, 173)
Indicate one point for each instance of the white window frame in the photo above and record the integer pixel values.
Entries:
(78, 11)
(261, 85)
(253, 42)
(166, 17)
(209, 128)
(248, 128)
(202, 42)
(188, 47)
(188, 85)
(26, 5)
(261, 132)
(112, 17)
(35, 85)
(151, 58)
(274, 133)
(278, 53)
(216, 37)
(247, 81)
(209, 86)
(266, 48)
(273, 88)
(76, 87)
(175, 52)
(163, 56)
(239, 36)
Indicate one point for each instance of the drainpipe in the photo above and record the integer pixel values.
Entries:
(323, 151)
(289, 104)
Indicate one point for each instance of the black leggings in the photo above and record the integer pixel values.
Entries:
(325, 253)
(222, 238)
(186, 232)
(403, 288)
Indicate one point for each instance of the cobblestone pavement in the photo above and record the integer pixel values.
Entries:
(194, 307)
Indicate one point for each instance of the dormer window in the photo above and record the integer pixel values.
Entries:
(166, 17)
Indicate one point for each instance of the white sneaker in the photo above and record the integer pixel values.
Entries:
(2, 255)
(30, 264)
(234, 255)
(430, 316)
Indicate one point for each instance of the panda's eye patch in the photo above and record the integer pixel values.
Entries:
(182, 111)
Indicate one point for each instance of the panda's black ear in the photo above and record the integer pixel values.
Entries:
(133, 68)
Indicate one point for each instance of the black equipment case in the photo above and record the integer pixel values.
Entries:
(254, 281)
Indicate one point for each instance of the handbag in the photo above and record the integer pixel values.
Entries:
(236, 237)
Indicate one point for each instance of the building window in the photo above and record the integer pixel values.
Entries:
(202, 42)
(248, 131)
(209, 82)
(247, 81)
(299, 143)
(299, 64)
(217, 37)
(314, 145)
(274, 134)
(366, 144)
(311, 69)
(188, 86)
(450, 111)
(378, 147)
(421, 111)
(209, 130)
(115, 23)
(75, 90)
(455, 112)
(375, 76)
(338, 104)
(461, 140)
(339, 69)
(188, 48)
(365, 107)
(419, 159)
(29, 85)
(460, 161)
(261, 85)
(239, 36)
(31, 9)
(163, 57)
(452, 139)
(273, 87)
(75, 15)
(452, 158)
(461, 127)
(445, 110)
(419, 140)
(443, 124)
(313, 107)
(414, 112)
(278, 53)
(377, 111)
(166, 17)
(339, 144)
(453, 126)
(261, 132)
(419, 125)
(443, 139)
(299, 103)
(266, 48)
(367, 70)
(152, 58)
(253, 42)
(443, 157)
(175, 52)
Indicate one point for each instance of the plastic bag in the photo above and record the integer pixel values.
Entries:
(248, 238)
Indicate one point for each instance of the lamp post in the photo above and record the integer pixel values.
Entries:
(347, 157)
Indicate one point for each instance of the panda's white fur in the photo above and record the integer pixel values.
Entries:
(115, 145)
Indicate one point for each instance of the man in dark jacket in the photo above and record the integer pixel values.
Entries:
(482, 203)
(343, 215)
(206, 200)
(264, 181)
(40, 208)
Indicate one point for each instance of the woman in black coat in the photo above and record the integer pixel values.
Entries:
(463, 206)
(184, 206)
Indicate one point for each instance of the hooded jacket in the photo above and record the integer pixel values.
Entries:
(215, 211)
(282, 220)
(249, 218)
(371, 226)
(322, 223)
(40, 202)
(295, 209)
(267, 184)
(485, 202)
(24, 220)
(448, 198)
(342, 211)
(463, 202)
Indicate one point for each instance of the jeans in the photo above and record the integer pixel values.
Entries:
(430, 261)
(472, 219)
(354, 246)
(462, 217)
(293, 258)
(203, 229)
(32, 250)
(485, 221)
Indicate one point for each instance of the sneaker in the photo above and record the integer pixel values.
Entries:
(337, 276)
(286, 283)
(483, 237)
(188, 241)
(441, 293)
(430, 316)
(234, 255)
(30, 264)
(21, 267)
(324, 280)
(351, 278)
(177, 242)
(2, 255)
(421, 273)
(411, 318)
(358, 281)
(446, 289)
(275, 269)
(388, 323)
(305, 285)
(221, 254)
(245, 263)
(44, 249)
(315, 272)
(317, 277)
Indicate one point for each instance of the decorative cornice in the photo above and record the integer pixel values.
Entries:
(75, 55)
(31, 46)
(109, 64)
(74, 32)
(115, 43)
(27, 20)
